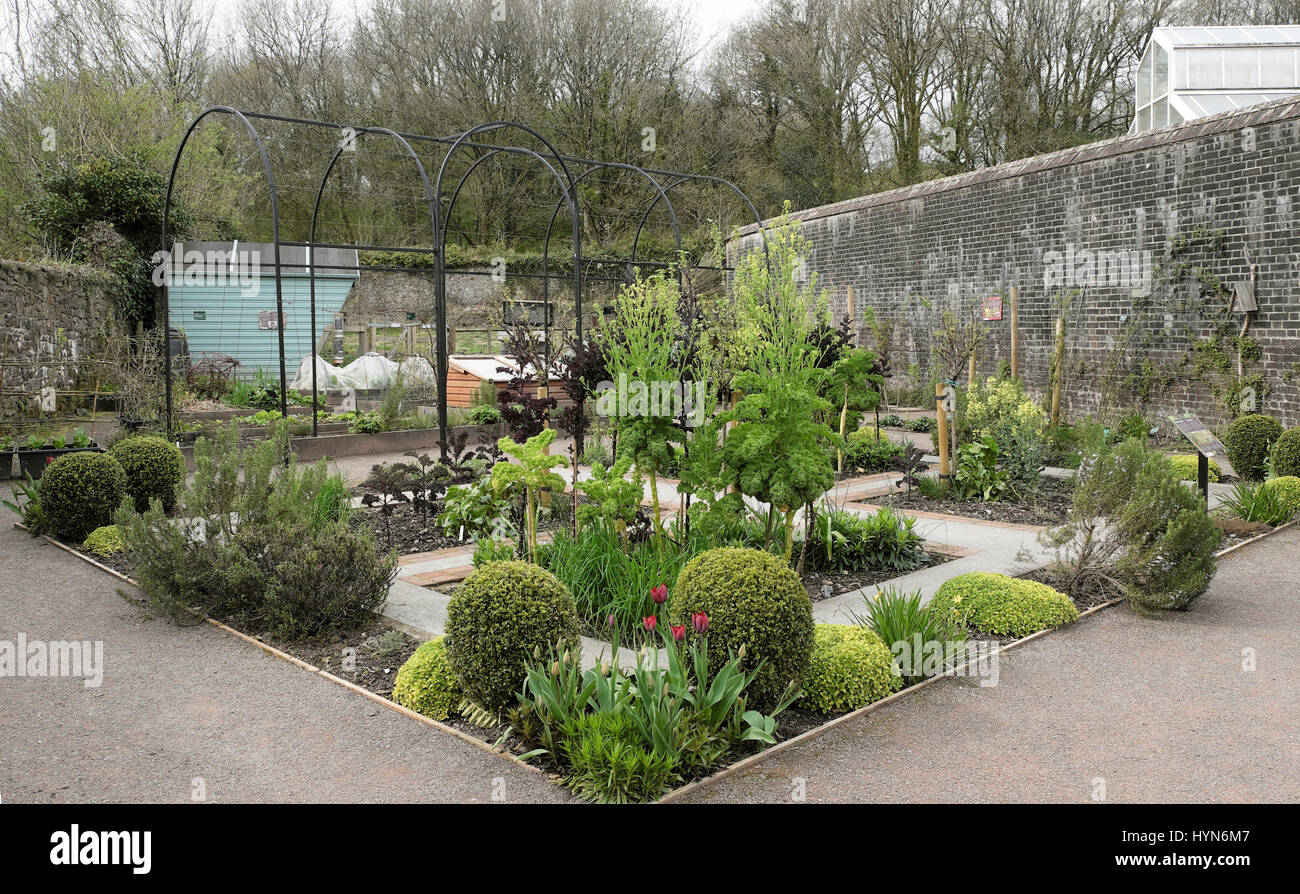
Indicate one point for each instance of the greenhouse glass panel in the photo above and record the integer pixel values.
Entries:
(1241, 67)
(1277, 67)
(1160, 80)
(1160, 113)
(1204, 69)
(1144, 119)
(1144, 80)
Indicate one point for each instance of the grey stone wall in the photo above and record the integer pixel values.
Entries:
(51, 322)
(1134, 235)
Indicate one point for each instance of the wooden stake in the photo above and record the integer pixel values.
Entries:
(1058, 370)
(941, 436)
(853, 317)
(1015, 333)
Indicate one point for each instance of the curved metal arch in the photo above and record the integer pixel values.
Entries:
(569, 194)
(311, 238)
(686, 178)
(596, 166)
(275, 237)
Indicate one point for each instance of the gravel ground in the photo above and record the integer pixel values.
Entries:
(180, 704)
(1160, 710)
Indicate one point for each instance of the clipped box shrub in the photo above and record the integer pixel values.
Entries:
(426, 683)
(850, 667)
(1001, 605)
(1286, 454)
(503, 614)
(79, 493)
(104, 541)
(1249, 439)
(1288, 490)
(1186, 465)
(154, 470)
(754, 599)
(869, 453)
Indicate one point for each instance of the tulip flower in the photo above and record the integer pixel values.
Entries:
(649, 622)
(610, 621)
(659, 594)
(700, 621)
(679, 633)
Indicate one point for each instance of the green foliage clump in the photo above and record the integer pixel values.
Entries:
(1249, 439)
(1286, 454)
(843, 541)
(79, 491)
(483, 415)
(614, 497)
(1260, 503)
(154, 470)
(905, 625)
(609, 762)
(504, 614)
(1000, 409)
(260, 543)
(755, 600)
(1135, 527)
(104, 541)
(1287, 490)
(1001, 605)
(870, 452)
(426, 684)
(1185, 466)
(977, 475)
(850, 666)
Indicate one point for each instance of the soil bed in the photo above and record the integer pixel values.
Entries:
(815, 582)
(1049, 507)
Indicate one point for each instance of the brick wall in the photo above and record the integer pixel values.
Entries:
(1163, 217)
(50, 318)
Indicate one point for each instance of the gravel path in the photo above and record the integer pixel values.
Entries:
(180, 704)
(1156, 710)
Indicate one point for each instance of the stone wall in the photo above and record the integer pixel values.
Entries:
(1139, 238)
(51, 323)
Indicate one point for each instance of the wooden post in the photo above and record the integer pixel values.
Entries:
(451, 338)
(970, 375)
(1015, 333)
(1058, 370)
(941, 436)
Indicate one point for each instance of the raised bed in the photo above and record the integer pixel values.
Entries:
(309, 449)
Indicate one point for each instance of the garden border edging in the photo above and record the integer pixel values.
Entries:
(725, 772)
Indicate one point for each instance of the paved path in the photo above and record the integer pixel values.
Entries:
(180, 703)
(1160, 710)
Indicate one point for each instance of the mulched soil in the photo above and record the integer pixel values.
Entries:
(380, 651)
(1055, 579)
(1050, 506)
(411, 533)
(1236, 531)
(847, 581)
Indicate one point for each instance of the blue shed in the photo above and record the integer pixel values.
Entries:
(222, 298)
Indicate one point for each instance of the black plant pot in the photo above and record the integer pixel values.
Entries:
(33, 462)
(6, 465)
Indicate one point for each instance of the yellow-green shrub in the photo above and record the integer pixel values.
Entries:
(1288, 491)
(79, 493)
(753, 599)
(426, 684)
(503, 614)
(1001, 605)
(1186, 464)
(104, 541)
(154, 469)
(850, 667)
(1000, 409)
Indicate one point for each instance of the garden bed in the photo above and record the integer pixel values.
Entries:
(1048, 508)
(848, 581)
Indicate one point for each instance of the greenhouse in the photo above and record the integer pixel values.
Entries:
(1189, 73)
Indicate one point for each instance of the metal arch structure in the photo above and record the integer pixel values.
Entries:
(556, 163)
(429, 197)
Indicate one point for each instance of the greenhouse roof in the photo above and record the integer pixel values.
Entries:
(1224, 35)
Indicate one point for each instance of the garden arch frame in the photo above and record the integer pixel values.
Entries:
(558, 164)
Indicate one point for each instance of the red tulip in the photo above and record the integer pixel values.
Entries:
(649, 622)
(659, 594)
(700, 621)
(679, 633)
(611, 621)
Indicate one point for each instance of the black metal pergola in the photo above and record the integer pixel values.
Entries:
(560, 166)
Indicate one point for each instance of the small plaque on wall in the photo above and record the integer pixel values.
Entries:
(268, 319)
(993, 308)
